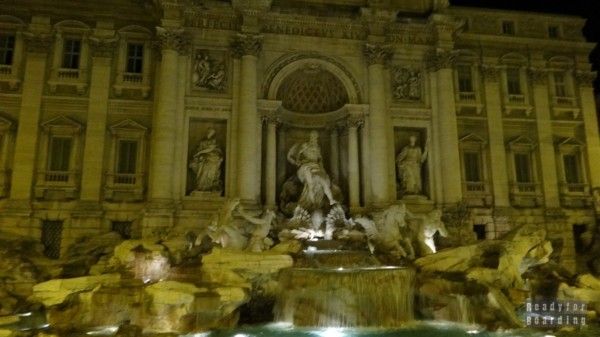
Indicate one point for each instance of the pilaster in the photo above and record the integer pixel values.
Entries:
(592, 138)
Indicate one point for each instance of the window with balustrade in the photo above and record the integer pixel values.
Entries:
(525, 188)
(474, 170)
(133, 62)
(59, 159)
(11, 51)
(562, 87)
(70, 57)
(571, 167)
(125, 174)
(513, 81)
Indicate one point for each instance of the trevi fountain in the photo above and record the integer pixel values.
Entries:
(306, 269)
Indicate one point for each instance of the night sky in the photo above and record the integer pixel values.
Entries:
(583, 8)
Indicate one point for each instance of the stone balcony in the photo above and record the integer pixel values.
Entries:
(57, 185)
(575, 195)
(132, 81)
(477, 193)
(124, 187)
(526, 194)
(517, 105)
(468, 103)
(76, 78)
(565, 107)
(9, 75)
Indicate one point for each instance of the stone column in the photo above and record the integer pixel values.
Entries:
(247, 47)
(29, 116)
(499, 179)
(441, 65)
(334, 155)
(545, 137)
(271, 163)
(93, 154)
(163, 136)
(379, 121)
(352, 124)
(592, 139)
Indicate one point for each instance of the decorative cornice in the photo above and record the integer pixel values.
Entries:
(246, 44)
(173, 39)
(37, 43)
(437, 60)
(102, 47)
(585, 78)
(377, 54)
(538, 76)
(490, 72)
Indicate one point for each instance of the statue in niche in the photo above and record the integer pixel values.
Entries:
(208, 73)
(407, 84)
(409, 162)
(206, 164)
(317, 185)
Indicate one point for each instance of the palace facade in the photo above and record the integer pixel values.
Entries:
(140, 116)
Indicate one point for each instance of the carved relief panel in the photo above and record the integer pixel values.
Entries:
(210, 71)
(407, 84)
(207, 145)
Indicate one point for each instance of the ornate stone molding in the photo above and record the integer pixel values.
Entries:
(585, 78)
(350, 122)
(490, 72)
(437, 60)
(377, 54)
(246, 44)
(102, 47)
(538, 76)
(37, 43)
(173, 39)
(272, 119)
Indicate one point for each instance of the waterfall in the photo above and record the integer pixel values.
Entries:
(346, 297)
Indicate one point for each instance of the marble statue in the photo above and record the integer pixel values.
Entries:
(206, 164)
(223, 229)
(316, 183)
(259, 240)
(428, 225)
(386, 232)
(409, 162)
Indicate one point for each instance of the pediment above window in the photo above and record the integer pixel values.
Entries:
(569, 143)
(5, 124)
(473, 139)
(62, 124)
(522, 142)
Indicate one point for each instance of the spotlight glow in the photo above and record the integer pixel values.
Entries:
(333, 332)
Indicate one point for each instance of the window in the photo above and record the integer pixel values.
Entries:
(553, 32)
(560, 84)
(465, 79)
(472, 167)
(51, 238)
(513, 81)
(508, 27)
(135, 58)
(572, 170)
(71, 54)
(60, 153)
(123, 228)
(126, 162)
(479, 231)
(523, 168)
(7, 49)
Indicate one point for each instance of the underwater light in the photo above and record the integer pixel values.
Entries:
(332, 332)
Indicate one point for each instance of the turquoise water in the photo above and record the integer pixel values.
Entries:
(425, 329)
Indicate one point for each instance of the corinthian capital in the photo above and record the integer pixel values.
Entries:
(37, 43)
(585, 78)
(440, 60)
(173, 39)
(246, 44)
(490, 73)
(377, 54)
(102, 47)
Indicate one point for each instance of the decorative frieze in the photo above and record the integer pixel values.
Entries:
(307, 27)
(247, 44)
(37, 43)
(210, 70)
(406, 84)
(102, 47)
(585, 78)
(377, 54)
(538, 76)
